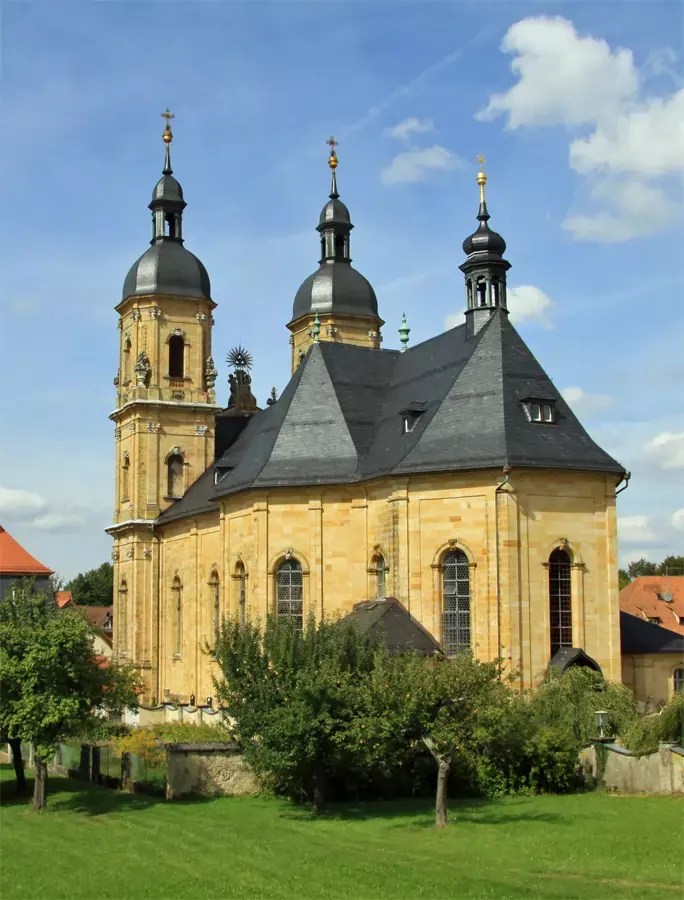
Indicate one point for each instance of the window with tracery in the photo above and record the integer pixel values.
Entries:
(455, 602)
(560, 600)
(678, 679)
(290, 588)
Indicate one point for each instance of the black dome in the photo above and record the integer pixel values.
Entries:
(484, 240)
(335, 287)
(334, 212)
(168, 268)
(167, 188)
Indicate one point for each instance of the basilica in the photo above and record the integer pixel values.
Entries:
(450, 475)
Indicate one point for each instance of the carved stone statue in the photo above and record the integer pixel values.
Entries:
(210, 374)
(142, 369)
(240, 381)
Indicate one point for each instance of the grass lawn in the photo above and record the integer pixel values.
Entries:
(96, 843)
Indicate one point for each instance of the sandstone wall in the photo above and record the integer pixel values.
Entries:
(208, 769)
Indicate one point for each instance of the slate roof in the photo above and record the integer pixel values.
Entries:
(638, 636)
(567, 657)
(339, 420)
(391, 619)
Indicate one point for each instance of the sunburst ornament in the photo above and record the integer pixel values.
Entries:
(239, 358)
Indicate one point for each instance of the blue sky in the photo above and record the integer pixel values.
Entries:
(577, 107)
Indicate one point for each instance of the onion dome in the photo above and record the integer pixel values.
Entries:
(335, 287)
(167, 267)
(484, 240)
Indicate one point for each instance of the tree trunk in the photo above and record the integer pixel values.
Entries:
(318, 792)
(443, 768)
(15, 744)
(39, 783)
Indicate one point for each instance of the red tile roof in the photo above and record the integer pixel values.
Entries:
(64, 598)
(14, 560)
(644, 598)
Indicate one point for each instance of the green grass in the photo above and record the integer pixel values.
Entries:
(95, 843)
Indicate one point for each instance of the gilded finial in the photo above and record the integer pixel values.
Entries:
(481, 177)
(404, 332)
(332, 162)
(167, 136)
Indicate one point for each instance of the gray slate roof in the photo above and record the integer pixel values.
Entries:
(339, 420)
(168, 268)
(390, 620)
(638, 636)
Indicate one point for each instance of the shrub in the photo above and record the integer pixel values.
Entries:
(666, 725)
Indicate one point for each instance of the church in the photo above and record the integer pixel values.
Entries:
(450, 475)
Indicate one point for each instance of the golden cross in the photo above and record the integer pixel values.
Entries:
(480, 158)
(168, 116)
(332, 144)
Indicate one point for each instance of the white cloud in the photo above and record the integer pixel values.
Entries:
(23, 306)
(586, 404)
(19, 503)
(413, 165)
(667, 449)
(678, 519)
(529, 302)
(412, 125)
(58, 522)
(635, 529)
(580, 82)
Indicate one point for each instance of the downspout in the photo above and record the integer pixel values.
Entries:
(499, 490)
(624, 477)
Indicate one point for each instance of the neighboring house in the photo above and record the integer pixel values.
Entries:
(652, 660)
(17, 563)
(658, 599)
(102, 619)
(64, 599)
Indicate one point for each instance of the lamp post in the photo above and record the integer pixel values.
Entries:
(602, 719)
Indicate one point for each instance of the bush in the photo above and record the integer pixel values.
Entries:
(664, 726)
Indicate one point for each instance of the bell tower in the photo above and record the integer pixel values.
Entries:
(165, 403)
(336, 303)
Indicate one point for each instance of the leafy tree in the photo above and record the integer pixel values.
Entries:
(623, 578)
(93, 588)
(56, 582)
(671, 565)
(52, 684)
(292, 695)
(641, 567)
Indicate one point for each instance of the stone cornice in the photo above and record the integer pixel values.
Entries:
(178, 404)
(130, 523)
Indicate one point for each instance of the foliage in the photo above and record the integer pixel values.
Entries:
(148, 742)
(56, 582)
(93, 588)
(98, 844)
(671, 565)
(623, 578)
(664, 726)
(292, 695)
(52, 684)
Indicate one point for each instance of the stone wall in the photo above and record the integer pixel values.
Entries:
(208, 770)
(661, 772)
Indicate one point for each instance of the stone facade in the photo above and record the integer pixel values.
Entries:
(650, 676)
(209, 770)
(358, 330)
(335, 533)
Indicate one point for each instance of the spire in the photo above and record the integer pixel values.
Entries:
(404, 333)
(167, 137)
(485, 268)
(332, 162)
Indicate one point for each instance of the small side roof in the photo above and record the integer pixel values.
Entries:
(14, 560)
(638, 636)
(391, 619)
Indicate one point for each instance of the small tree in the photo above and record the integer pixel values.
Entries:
(52, 684)
(94, 587)
(292, 696)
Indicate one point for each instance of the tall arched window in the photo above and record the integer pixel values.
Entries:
(380, 577)
(122, 615)
(176, 356)
(174, 467)
(177, 605)
(126, 367)
(241, 586)
(678, 679)
(560, 600)
(455, 602)
(290, 592)
(125, 472)
(215, 597)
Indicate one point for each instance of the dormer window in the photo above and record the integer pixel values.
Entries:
(540, 411)
(411, 416)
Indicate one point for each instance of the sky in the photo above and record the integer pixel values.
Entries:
(577, 107)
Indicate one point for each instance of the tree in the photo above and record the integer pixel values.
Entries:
(56, 582)
(671, 565)
(292, 696)
(52, 684)
(93, 588)
(641, 567)
(623, 578)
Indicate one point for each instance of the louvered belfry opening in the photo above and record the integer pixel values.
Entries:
(560, 600)
(455, 603)
(290, 592)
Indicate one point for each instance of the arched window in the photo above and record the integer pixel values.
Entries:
(495, 293)
(678, 679)
(126, 367)
(241, 586)
(481, 292)
(560, 600)
(290, 592)
(469, 290)
(125, 471)
(174, 466)
(215, 597)
(170, 229)
(177, 604)
(176, 356)
(122, 615)
(380, 577)
(455, 602)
